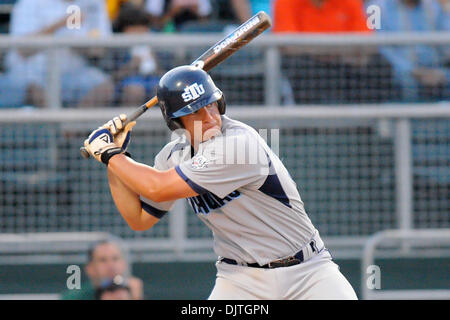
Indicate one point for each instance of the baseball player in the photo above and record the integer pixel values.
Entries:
(267, 246)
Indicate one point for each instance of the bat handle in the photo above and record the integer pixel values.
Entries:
(136, 114)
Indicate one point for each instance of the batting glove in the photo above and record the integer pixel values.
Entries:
(100, 144)
(121, 134)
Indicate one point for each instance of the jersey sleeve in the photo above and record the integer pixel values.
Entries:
(157, 209)
(226, 165)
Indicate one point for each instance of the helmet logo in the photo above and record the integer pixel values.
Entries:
(192, 92)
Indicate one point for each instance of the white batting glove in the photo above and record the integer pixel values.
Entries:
(100, 144)
(121, 134)
(115, 125)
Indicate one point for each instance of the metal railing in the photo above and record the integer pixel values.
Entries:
(53, 247)
(403, 243)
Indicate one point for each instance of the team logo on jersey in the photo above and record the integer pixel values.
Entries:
(192, 92)
(205, 203)
(199, 162)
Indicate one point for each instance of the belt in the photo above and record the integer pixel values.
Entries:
(315, 246)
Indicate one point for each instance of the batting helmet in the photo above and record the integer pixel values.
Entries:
(184, 90)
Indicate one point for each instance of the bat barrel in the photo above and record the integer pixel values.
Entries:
(245, 33)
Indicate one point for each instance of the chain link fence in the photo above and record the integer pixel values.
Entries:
(365, 157)
(345, 162)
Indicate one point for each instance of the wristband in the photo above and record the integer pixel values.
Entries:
(108, 154)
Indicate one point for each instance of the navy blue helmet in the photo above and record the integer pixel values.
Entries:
(184, 90)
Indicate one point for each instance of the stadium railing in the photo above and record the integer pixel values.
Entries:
(52, 247)
(403, 244)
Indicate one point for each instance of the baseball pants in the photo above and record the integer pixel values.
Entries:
(318, 278)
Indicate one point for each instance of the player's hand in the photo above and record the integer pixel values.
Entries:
(100, 144)
(121, 134)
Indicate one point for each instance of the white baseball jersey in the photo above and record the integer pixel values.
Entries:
(246, 195)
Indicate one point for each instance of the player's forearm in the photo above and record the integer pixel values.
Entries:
(126, 200)
(141, 179)
(129, 205)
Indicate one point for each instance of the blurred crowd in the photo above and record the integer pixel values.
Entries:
(128, 76)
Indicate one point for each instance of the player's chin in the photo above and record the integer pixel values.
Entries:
(211, 133)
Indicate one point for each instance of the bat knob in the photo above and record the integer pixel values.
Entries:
(84, 153)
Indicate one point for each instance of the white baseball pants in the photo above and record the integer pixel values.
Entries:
(318, 278)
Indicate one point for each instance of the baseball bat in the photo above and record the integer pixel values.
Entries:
(214, 55)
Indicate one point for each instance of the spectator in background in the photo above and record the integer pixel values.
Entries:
(445, 4)
(114, 289)
(419, 70)
(319, 16)
(113, 7)
(171, 15)
(136, 71)
(81, 84)
(329, 75)
(13, 91)
(244, 9)
(105, 262)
